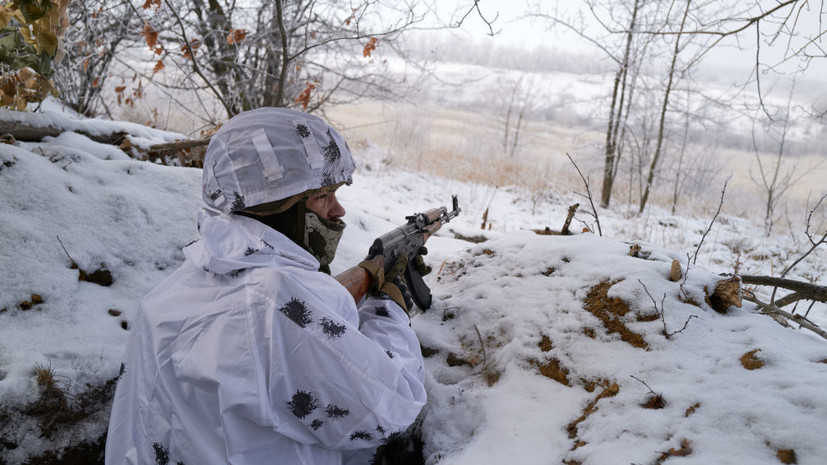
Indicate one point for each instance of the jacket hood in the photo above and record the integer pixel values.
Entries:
(230, 243)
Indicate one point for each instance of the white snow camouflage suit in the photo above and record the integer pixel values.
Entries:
(247, 354)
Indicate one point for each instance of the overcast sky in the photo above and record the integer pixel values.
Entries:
(510, 26)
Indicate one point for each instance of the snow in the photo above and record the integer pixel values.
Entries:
(503, 310)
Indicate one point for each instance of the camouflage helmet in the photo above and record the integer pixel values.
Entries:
(263, 161)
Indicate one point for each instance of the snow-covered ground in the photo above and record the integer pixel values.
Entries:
(541, 349)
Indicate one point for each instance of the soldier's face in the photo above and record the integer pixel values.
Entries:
(326, 205)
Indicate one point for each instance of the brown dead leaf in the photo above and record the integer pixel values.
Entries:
(150, 35)
(369, 47)
(191, 48)
(236, 35)
(159, 65)
(304, 96)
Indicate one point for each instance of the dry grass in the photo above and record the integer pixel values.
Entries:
(468, 146)
(459, 145)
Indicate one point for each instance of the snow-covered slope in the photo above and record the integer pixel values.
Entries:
(550, 349)
(519, 369)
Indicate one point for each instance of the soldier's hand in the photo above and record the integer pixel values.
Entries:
(419, 263)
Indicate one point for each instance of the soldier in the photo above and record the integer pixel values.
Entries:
(250, 352)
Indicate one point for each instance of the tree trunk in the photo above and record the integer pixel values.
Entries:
(615, 116)
(662, 124)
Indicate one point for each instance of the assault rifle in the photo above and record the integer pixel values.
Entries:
(406, 239)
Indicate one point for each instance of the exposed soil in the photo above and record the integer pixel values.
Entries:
(610, 310)
(750, 361)
(609, 390)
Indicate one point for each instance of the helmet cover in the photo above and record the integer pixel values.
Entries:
(271, 154)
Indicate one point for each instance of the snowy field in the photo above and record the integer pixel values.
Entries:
(540, 349)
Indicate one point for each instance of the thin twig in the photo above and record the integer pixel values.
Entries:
(720, 204)
(647, 386)
(489, 23)
(815, 244)
(589, 196)
(484, 358)
(195, 67)
(74, 263)
(662, 313)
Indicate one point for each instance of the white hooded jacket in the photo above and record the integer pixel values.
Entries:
(248, 355)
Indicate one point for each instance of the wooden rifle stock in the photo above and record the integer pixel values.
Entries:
(356, 280)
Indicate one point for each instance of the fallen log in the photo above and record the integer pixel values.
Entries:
(189, 152)
(727, 293)
(180, 144)
(801, 290)
(34, 127)
(23, 131)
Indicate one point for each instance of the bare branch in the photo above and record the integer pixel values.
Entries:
(489, 23)
(709, 228)
(195, 66)
(782, 316)
(662, 312)
(589, 196)
(644, 383)
(808, 252)
(284, 53)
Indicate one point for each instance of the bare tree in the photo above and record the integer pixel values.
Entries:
(670, 80)
(619, 111)
(97, 31)
(519, 102)
(773, 179)
(795, 28)
(277, 53)
(621, 43)
(681, 154)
